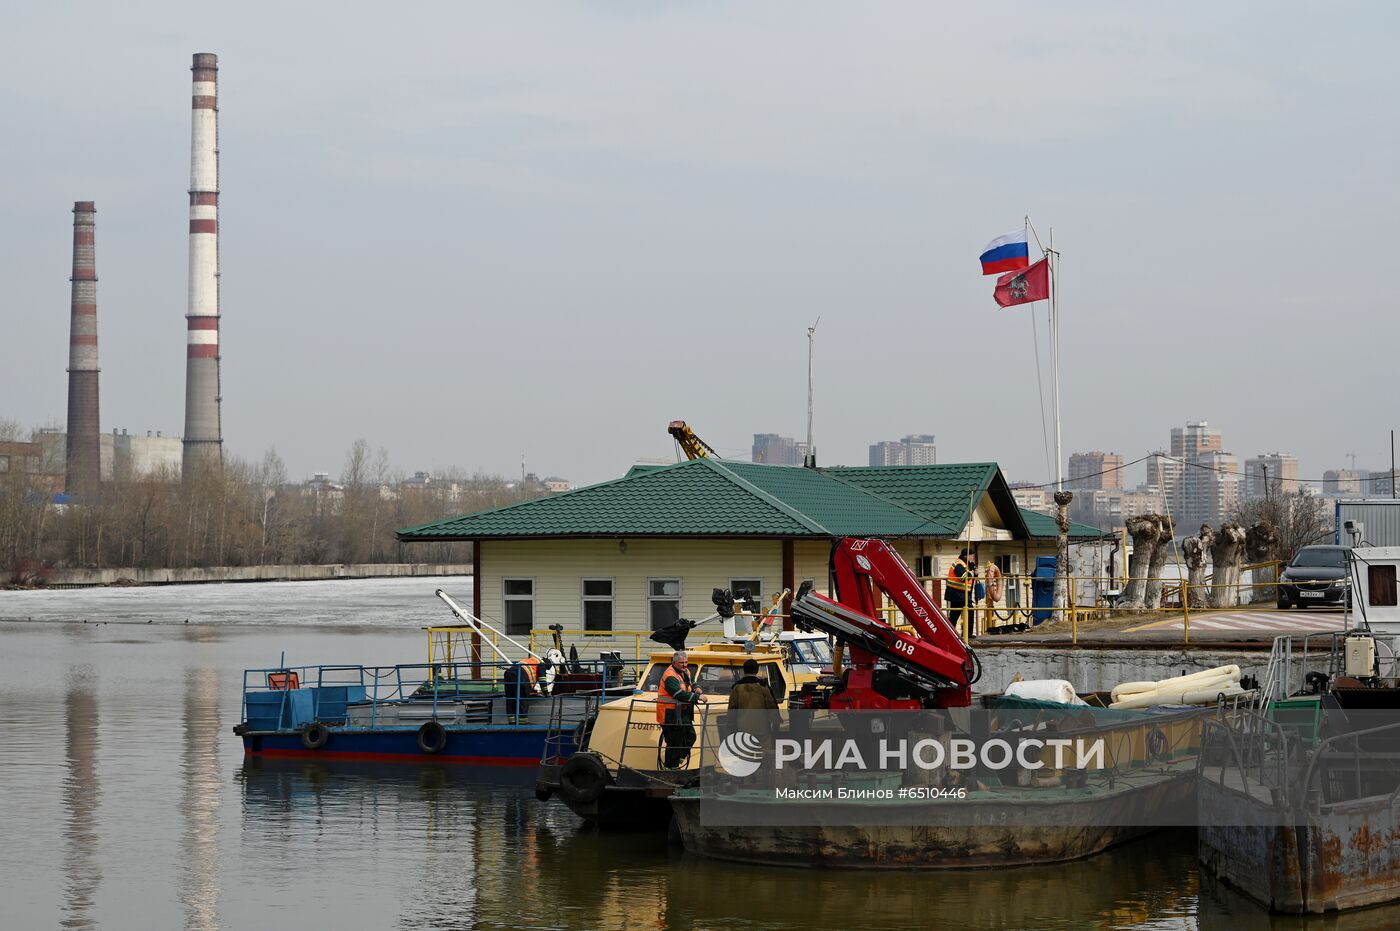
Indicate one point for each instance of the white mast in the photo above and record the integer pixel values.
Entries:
(1055, 353)
(810, 460)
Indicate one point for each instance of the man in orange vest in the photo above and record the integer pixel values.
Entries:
(962, 574)
(676, 698)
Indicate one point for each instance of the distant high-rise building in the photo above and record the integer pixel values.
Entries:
(1346, 482)
(1163, 475)
(1195, 439)
(1207, 488)
(886, 453)
(914, 449)
(1270, 474)
(773, 449)
(1094, 471)
(1383, 483)
(1033, 497)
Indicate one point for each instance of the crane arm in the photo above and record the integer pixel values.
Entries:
(933, 657)
(690, 443)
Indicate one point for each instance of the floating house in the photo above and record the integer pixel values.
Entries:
(636, 553)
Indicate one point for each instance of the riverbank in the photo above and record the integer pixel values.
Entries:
(93, 578)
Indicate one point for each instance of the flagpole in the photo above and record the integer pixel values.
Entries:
(1062, 497)
(1055, 353)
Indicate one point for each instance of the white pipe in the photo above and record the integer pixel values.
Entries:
(476, 622)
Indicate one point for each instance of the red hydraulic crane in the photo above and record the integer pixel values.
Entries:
(889, 669)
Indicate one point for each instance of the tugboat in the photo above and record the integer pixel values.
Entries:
(609, 769)
(456, 708)
(910, 685)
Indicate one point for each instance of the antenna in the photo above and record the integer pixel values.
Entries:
(810, 460)
(1352, 456)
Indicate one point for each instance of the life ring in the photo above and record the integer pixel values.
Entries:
(994, 586)
(432, 737)
(583, 779)
(315, 735)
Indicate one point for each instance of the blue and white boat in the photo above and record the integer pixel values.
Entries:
(456, 708)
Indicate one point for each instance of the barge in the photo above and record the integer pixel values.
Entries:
(904, 819)
(456, 708)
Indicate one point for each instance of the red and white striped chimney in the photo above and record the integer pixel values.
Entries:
(84, 457)
(203, 444)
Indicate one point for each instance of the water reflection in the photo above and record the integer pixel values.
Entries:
(1224, 909)
(199, 843)
(82, 872)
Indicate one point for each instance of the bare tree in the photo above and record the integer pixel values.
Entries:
(1152, 597)
(1299, 519)
(1261, 549)
(1145, 529)
(1226, 554)
(1196, 551)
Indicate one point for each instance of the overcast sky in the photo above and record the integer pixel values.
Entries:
(468, 232)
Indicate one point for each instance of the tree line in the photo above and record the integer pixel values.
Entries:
(243, 514)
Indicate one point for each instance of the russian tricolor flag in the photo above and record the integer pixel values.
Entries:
(1006, 254)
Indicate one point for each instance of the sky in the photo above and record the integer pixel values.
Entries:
(471, 233)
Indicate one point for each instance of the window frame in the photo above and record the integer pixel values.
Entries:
(585, 598)
(678, 598)
(760, 606)
(1387, 588)
(507, 598)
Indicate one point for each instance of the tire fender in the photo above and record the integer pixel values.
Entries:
(432, 737)
(315, 735)
(583, 779)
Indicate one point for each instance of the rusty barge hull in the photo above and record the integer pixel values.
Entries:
(989, 833)
(1339, 856)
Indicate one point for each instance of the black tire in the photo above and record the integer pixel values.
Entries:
(432, 737)
(315, 735)
(583, 779)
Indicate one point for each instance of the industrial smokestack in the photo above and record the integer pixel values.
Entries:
(84, 463)
(203, 428)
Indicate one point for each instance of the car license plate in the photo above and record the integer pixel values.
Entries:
(1310, 594)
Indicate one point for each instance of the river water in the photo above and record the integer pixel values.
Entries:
(125, 802)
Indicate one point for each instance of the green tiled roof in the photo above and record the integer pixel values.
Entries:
(710, 497)
(946, 492)
(1043, 525)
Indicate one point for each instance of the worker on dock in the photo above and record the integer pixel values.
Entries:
(750, 701)
(676, 698)
(962, 575)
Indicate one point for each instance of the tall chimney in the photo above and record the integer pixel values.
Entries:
(203, 427)
(84, 463)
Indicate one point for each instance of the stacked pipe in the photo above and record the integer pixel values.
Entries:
(84, 463)
(203, 443)
(1199, 688)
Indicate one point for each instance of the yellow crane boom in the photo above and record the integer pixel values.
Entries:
(690, 443)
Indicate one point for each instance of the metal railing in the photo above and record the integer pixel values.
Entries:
(373, 696)
(1251, 752)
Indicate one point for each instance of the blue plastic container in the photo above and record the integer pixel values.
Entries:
(1043, 589)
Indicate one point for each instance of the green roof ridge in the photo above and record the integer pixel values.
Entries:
(764, 496)
(989, 470)
(926, 518)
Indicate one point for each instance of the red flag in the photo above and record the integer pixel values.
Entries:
(1024, 286)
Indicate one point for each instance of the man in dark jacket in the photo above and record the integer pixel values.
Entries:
(750, 700)
(750, 692)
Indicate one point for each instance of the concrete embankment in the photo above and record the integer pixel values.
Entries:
(1102, 668)
(84, 578)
